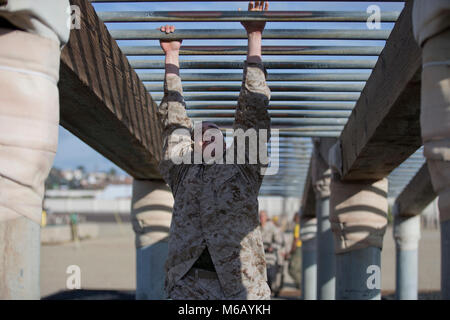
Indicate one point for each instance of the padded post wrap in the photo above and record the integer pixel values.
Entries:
(358, 214)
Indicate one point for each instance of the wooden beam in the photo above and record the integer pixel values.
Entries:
(308, 205)
(104, 103)
(417, 195)
(384, 127)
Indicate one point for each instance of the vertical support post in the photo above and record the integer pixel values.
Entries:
(308, 233)
(445, 260)
(321, 178)
(430, 25)
(152, 205)
(406, 235)
(20, 259)
(358, 218)
(29, 118)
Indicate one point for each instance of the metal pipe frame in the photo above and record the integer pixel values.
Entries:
(359, 76)
(266, 50)
(145, 34)
(273, 113)
(310, 87)
(226, 105)
(237, 16)
(282, 121)
(305, 64)
(112, 1)
(157, 97)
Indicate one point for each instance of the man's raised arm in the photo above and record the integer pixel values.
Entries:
(251, 111)
(172, 112)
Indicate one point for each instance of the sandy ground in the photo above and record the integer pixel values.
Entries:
(108, 262)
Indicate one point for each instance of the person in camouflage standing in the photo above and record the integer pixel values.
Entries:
(273, 246)
(295, 260)
(215, 245)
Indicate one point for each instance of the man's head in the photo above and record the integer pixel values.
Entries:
(210, 138)
(297, 217)
(263, 217)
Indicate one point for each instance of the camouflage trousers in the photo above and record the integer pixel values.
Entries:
(295, 266)
(191, 287)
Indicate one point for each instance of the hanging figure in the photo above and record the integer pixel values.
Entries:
(215, 245)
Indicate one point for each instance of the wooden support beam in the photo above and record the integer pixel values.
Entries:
(309, 198)
(104, 103)
(384, 127)
(417, 195)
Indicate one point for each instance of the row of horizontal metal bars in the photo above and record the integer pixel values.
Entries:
(303, 104)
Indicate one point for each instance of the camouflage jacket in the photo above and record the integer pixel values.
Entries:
(216, 205)
(272, 238)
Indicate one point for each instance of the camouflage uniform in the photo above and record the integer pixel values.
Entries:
(216, 205)
(272, 238)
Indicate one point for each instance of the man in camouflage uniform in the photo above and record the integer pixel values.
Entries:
(273, 246)
(295, 260)
(215, 245)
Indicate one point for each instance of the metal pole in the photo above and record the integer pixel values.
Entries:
(266, 50)
(305, 64)
(273, 114)
(406, 235)
(358, 214)
(230, 16)
(353, 270)
(308, 232)
(216, 0)
(145, 34)
(282, 121)
(207, 77)
(445, 259)
(310, 87)
(321, 174)
(20, 247)
(326, 273)
(151, 213)
(276, 105)
(274, 97)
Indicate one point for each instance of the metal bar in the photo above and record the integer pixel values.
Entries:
(445, 259)
(313, 87)
(306, 64)
(406, 235)
(292, 131)
(360, 76)
(275, 106)
(357, 263)
(273, 113)
(331, 134)
(283, 122)
(266, 50)
(274, 97)
(233, 16)
(145, 34)
(308, 237)
(112, 1)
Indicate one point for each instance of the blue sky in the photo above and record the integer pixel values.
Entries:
(72, 152)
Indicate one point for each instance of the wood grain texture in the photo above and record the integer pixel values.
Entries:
(384, 127)
(104, 103)
(417, 195)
